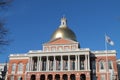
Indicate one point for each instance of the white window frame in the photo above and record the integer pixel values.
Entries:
(103, 63)
(13, 68)
(20, 68)
(111, 64)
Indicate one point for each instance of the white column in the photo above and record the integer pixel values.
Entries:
(38, 63)
(48, 63)
(31, 63)
(47, 68)
(68, 62)
(78, 62)
(61, 63)
(54, 64)
(28, 64)
(85, 62)
(88, 62)
(41, 65)
(75, 62)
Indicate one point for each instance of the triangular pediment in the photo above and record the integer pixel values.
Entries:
(61, 41)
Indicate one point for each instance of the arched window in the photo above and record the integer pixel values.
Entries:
(102, 65)
(110, 65)
(27, 67)
(20, 67)
(13, 67)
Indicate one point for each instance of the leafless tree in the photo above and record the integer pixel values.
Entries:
(3, 35)
(3, 30)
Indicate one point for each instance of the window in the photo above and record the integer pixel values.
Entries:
(73, 47)
(82, 65)
(20, 67)
(59, 65)
(13, 67)
(43, 65)
(53, 49)
(51, 65)
(66, 48)
(66, 64)
(102, 65)
(109, 64)
(73, 65)
(60, 49)
(102, 77)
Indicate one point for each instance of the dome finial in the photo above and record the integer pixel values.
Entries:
(64, 32)
(63, 22)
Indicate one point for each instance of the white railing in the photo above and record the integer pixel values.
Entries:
(18, 54)
(104, 51)
(35, 51)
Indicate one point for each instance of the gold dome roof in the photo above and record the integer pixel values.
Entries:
(63, 31)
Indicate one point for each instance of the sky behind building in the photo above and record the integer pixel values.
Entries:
(32, 22)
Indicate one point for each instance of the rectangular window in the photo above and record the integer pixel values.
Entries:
(65, 64)
(43, 65)
(110, 64)
(59, 65)
(66, 48)
(51, 65)
(53, 49)
(82, 65)
(73, 65)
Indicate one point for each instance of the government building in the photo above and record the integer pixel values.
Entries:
(62, 58)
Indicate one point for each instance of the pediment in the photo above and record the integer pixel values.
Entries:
(61, 41)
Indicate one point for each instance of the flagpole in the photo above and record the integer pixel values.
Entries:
(106, 50)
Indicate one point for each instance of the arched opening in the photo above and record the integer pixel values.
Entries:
(33, 77)
(50, 77)
(42, 77)
(57, 77)
(65, 77)
(72, 77)
(82, 77)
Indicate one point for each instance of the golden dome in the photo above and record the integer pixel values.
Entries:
(63, 31)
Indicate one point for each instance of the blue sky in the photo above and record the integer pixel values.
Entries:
(32, 22)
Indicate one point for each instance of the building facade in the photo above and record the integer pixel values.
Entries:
(118, 64)
(62, 59)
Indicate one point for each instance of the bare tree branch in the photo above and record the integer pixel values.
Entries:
(3, 30)
(3, 34)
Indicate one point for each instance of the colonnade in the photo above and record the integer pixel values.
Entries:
(59, 63)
